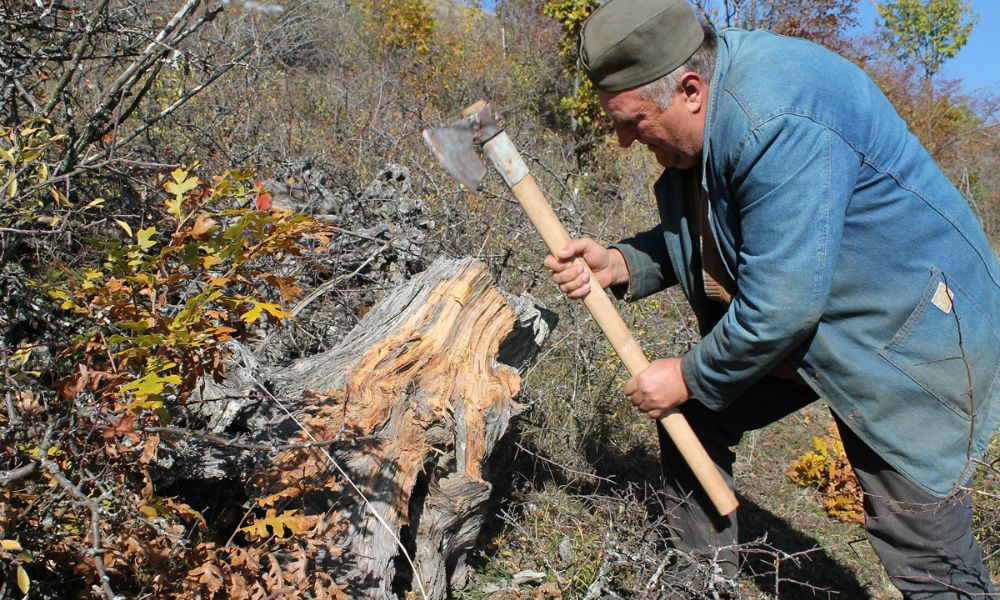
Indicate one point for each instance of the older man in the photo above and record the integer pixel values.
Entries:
(824, 254)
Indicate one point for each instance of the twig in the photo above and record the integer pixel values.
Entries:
(235, 443)
(583, 474)
(12, 415)
(75, 61)
(177, 104)
(95, 520)
(8, 477)
(319, 291)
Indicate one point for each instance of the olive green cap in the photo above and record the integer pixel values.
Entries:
(628, 43)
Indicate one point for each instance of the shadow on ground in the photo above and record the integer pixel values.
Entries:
(777, 558)
(810, 572)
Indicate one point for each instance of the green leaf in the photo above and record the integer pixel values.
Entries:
(150, 384)
(174, 207)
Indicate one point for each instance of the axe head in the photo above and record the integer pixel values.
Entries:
(455, 144)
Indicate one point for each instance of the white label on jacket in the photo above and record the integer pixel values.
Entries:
(943, 298)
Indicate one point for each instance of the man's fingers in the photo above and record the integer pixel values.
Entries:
(573, 273)
(574, 248)
(579, 292)
(631, 386)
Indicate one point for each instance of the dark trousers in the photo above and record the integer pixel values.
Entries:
(925, 543)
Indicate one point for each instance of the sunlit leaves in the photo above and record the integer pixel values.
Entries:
(171, 293)
(928, 32)
(24, 151)
(827, 470)
(581, 106)
(404, 24)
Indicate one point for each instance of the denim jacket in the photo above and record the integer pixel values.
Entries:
(856, 260)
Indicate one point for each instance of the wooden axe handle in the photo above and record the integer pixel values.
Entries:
(599, 304)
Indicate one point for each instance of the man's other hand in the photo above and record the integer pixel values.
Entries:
(658, 388)
(607, 265)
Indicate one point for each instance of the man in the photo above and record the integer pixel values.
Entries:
(824, 255)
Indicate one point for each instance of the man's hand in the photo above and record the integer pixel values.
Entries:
(658, 388)
(607, 265)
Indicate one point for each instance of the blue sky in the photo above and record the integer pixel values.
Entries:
(977, 63)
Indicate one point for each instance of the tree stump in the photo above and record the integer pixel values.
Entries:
(416, 396)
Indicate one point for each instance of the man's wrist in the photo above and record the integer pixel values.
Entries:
(619, 267)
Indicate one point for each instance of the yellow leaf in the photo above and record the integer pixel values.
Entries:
(289, 520)
(181, 184)
(94, 203)
(143, 238)
(10, 544)
(21, 355)
(271, 500)
(254, 314)
(174, 207)
(23, 581)
(210, 260)
(124, 226)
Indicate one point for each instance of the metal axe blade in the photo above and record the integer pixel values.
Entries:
(454, 148)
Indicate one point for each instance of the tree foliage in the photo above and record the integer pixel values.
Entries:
(927, 32)
(822, 21)
(581, 106)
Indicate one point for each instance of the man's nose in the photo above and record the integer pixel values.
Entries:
(625, 136)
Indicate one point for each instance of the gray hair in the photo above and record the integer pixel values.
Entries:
(702, 62)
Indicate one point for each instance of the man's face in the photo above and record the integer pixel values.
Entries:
(675, 135)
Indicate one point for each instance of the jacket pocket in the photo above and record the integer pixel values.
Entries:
(949, 346)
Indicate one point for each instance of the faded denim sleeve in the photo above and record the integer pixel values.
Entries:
(649, 266)
(791, 179)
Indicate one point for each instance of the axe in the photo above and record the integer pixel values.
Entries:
(454, 147)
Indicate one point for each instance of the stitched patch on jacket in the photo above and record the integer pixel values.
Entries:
(943, 298)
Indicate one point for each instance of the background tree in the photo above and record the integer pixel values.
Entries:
(823, 21)
(927, 32)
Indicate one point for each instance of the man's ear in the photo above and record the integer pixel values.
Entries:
(695, 91)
